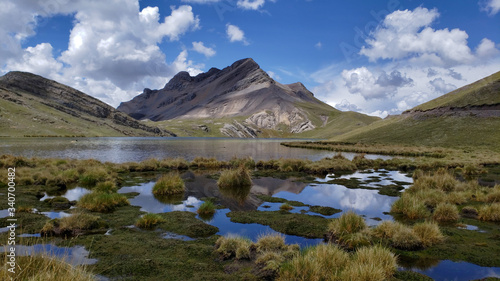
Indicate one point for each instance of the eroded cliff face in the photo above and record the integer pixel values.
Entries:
(240, 90)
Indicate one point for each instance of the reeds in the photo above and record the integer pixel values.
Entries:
(169, 184)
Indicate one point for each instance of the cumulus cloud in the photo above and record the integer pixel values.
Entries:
(235, 34)
(372, 85)
(439, 85)
(492, 7)
(407, 34)
(452, 73)
(487, 49)
(202, 49)
(38, 59)
(113, 50)
(250, 4)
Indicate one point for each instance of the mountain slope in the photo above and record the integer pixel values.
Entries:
(31, 105)
(468, 116)
(242, 97)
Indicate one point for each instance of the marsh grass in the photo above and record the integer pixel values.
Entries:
(446, 212)
(149, 221)
(92, 175)
(378, 256)
(43, 266)
(428, 233)
(270, 243)
(410, 206)
(405, 238)
(106, 187)
(233, 246)
(77, 223)
(169, 184)
(490, 212)
(103, 202)
(235, 179)
(347, 223)
(206, 210)
(286, 207)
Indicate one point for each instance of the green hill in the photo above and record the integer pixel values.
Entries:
(31, 105)
(466, 117)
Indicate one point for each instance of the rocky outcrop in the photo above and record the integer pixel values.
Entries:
(242, 89)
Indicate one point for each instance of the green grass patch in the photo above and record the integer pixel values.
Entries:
(169, 184)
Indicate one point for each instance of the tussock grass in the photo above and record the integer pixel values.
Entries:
(378, 256)
(323, 262)
(92, 175)
(270, 260)
(271, 243)
(149, 221)
(490, 212)
(405, 238)
(494, 195)
(446, 212)
(206, 163)
(206, 209)
(75, 224)
(348, 223)
(106, 187)
(386, 229)
(169, 184)
(103, 202)
(410, 206)
(46, 267)
(233, 246)
(428, 233)
(286, 207)
(236, 178)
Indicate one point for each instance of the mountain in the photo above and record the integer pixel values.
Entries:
(466, 117)
(31, 105)
(240, 100)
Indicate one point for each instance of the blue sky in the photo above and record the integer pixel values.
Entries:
(375, 57)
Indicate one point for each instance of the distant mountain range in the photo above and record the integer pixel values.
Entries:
(31, 105)
(466, 117)
(240, 100)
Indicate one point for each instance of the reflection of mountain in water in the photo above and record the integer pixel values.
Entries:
(201, 186)
(271, 186)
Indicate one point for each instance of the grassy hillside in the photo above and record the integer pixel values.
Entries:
(483, 92)
(441, 131)
(31, 105)
(446, 127)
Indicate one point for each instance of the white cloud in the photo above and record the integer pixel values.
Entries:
(201, 1)
(441, 86)
(37, 60)
(200, 48)
(486, 49)
(250, 4)
(407, 34)
(318, 45)
(374, 85)
(273, 75)
(235, 34)
(492, 7)
(113, 50)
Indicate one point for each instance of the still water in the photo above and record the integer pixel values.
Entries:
(135, 149)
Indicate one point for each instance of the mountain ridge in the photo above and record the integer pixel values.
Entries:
(243, 90)
(33, 105)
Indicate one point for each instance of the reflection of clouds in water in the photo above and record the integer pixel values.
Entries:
(56, 215)
(76, 193)
(190, 201)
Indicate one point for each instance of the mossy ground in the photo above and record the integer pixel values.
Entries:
(136, 254)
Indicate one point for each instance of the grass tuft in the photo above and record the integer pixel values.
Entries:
(428, 233)
(490, 212)
(149, 221)
(169, 184)
(446, 212)
(348, 223)
(102, 202)
(235, 179)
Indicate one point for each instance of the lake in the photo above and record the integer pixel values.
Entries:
(136, 149)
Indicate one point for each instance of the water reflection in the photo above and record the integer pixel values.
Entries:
(135, 149)
(76, 255)
(458, 271)
(71, 194)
